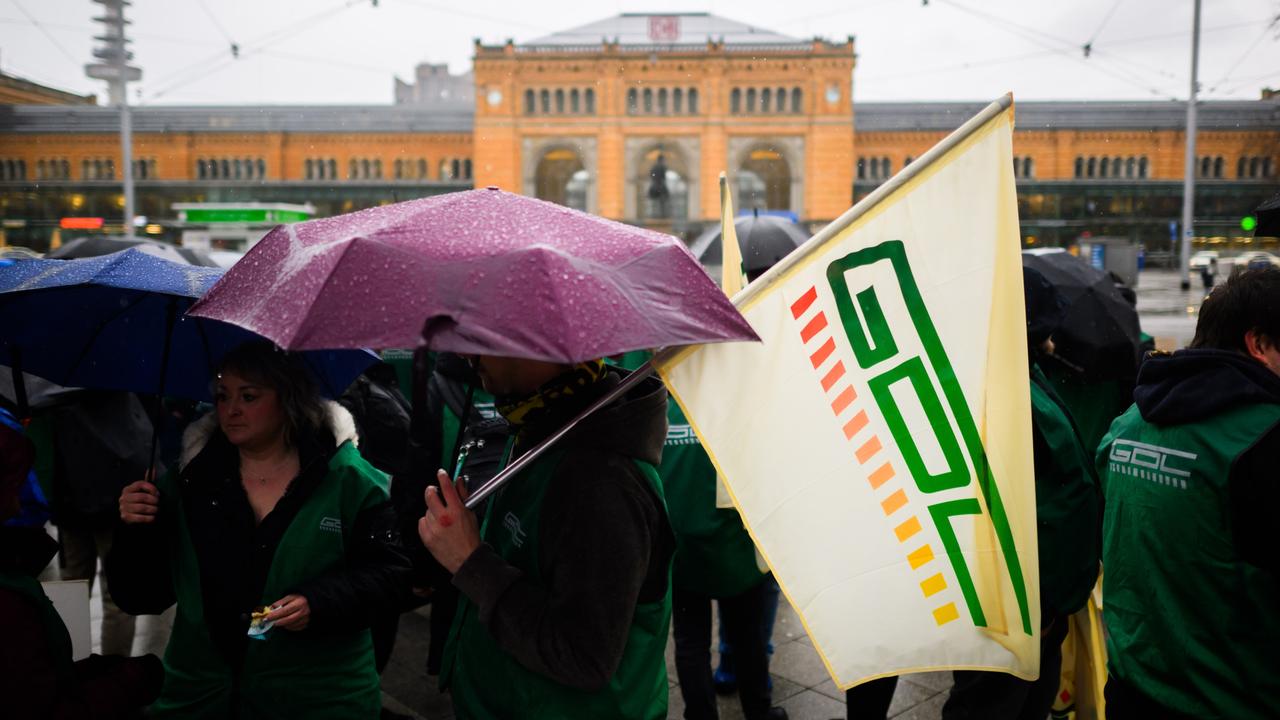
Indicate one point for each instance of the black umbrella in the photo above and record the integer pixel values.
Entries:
(764, 239)
(1268, 216)
(1099, 331)
(95, 245)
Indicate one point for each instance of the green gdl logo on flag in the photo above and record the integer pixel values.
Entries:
(916, 392)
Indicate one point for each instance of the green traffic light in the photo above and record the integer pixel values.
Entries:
(1248, 223)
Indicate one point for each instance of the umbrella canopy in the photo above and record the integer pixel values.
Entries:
(97, 245)
(476, 272)
(764, 239)
(1099, 331)
(1268, 215)
(116, 322)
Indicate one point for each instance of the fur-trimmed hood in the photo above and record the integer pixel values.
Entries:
(339, 422)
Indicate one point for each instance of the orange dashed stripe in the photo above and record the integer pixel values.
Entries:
(868, 449)
(933, 585)
(945, 614)
(881, 475)
(920, 556)
(799, 306)
(815, 326)
(843, 400)
(832, 376)
(894, 502)
(907, 529)
(823, 353)
(852, 427)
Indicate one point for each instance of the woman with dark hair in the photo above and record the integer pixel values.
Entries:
(278, 544)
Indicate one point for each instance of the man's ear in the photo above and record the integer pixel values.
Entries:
(1257, 344)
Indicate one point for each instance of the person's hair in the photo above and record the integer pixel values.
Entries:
(1248, 300)
(262, 363)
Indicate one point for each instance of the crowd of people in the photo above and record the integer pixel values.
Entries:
(285, 533)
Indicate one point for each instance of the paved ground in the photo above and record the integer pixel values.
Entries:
(801, 684)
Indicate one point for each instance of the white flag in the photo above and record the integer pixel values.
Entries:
(883, 464)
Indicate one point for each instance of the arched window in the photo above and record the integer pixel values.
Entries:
(398, 169)
(662, 101)
(40, 169)
(530, 106)
(575, 101)
(677, 101)
(364, 169)
(333, 169)
(1104, 167)
(1130, 167)
(766, 99)
(1030, 167)
(1205, 165)
(1217, 166)
(111, 168)
(693, 101)
(353, 169)
(735, 100)
(633, 103)
(1117, 166)
(95, 169)
(545, 98)
(1255, 167)
(591, 101)
(751, 100)
(1241, 165)
(224, 167)
(202, 170)
(862, 168)
(237, 170)
(795, 100)
(64, 169)
(780, 100)
(262, 168)
(648, 101)
(456, 168)
(422, 168)
(1092, 167)
(560, 100)
(377, 168)
(886, 167)
(1142, 167)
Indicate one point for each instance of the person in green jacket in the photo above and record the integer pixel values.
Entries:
(1068, 513)
(565, 584)
(1192, 585)
(278, 544)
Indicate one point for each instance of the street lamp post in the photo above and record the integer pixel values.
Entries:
(118, 73)
(1189, 170)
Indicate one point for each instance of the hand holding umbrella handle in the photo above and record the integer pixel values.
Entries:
(484, 491)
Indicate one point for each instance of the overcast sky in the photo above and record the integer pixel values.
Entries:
(348, 51)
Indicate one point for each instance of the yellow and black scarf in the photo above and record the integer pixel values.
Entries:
(520, 410)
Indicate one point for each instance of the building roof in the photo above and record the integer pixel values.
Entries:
(1072, 115)
(664, 31)
(238, 119)
(868, 117)
(14, 88)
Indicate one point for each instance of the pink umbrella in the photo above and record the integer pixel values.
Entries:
(477, 272)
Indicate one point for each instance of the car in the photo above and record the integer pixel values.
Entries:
(1203, 258)
(1257, 258)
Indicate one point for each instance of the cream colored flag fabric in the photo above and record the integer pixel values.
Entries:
(732, 278)
(883, 464)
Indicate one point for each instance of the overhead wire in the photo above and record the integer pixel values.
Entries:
(66, 53)
(1275, 21)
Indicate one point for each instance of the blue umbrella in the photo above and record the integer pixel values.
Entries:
(118, 322)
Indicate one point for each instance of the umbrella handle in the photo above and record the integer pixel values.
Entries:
(520, 463)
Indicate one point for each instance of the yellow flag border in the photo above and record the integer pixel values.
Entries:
(975, 130)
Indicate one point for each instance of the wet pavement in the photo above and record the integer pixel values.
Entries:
(1167, 312)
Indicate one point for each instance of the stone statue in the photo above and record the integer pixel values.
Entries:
(658, 190)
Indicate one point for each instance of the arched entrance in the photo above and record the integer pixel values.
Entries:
(562, 178)
(764, 181)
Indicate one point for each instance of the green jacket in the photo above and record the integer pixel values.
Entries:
(1189, 624)
(714, 554)
(309, 674)
(1068, 512)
